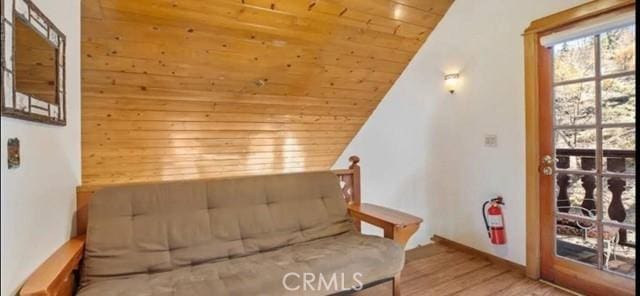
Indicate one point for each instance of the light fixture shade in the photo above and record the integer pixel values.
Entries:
(451, 82)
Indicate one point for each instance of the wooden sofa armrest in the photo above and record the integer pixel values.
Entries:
(55, 276)
(397, 225)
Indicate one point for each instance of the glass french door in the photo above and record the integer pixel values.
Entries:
(590, 170)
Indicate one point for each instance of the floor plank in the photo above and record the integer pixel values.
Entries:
(436, 269)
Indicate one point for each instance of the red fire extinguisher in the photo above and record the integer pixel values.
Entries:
(495, 220)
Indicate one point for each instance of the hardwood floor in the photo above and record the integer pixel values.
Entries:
(436, 269)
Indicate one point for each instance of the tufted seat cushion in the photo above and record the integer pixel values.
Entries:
(225, 235)
(344, 255)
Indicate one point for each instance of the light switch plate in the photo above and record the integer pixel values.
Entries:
(491, 140)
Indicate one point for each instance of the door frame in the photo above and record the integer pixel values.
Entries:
(536, 74)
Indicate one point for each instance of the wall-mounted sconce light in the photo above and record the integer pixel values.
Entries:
(451, 82)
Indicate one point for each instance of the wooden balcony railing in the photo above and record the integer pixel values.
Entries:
(615, 161)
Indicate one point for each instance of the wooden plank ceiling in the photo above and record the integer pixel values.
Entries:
(182, 89)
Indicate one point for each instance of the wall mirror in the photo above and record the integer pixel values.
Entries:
(33, 65)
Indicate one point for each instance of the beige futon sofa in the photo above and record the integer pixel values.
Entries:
(290, 234)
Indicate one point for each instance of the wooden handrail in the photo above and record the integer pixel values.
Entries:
(592, 152)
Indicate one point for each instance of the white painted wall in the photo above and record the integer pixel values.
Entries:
(38, 198)
(422, 150)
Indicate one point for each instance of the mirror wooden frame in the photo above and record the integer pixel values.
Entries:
(12, 102)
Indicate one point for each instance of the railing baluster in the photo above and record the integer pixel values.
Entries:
(347, 188)
(563, 184)
(588, 183)
(617, 186)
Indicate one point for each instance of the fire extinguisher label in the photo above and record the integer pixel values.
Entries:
(495, 221)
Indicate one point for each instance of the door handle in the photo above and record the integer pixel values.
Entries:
(548, 164)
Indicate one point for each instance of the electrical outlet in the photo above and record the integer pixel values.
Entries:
(491, 141)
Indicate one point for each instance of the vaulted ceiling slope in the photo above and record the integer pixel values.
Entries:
(184, 89)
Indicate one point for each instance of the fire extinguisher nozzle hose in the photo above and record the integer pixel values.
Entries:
(484, 217)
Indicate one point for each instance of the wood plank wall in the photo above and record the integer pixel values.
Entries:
(182, 89)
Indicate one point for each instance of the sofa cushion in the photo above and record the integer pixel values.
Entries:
(151, 228)
(340, 256)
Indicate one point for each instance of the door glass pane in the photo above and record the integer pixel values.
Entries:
(620, 257)
(575, 104)
(619, 200)
(576, 138)
(619, 100)
(576, 240)
(574, 59)
(567, 159)
(617, 48)
(575, 149)
(619, 161)
(620, 138)
(575, 194)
